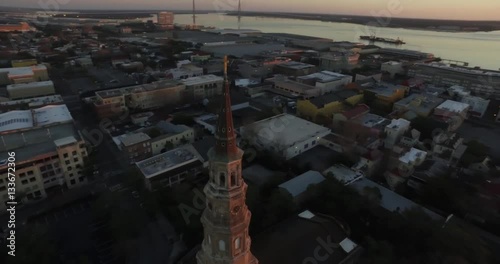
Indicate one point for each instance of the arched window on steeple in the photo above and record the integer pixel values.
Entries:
(222, 245)
(222, 179)
(233, 179)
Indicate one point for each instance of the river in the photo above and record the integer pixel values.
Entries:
(477, 48)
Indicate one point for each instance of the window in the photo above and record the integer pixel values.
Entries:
(71, 175)
(222, 245)
(237, 243)
(81, 179)
(67, 162)
(65, 155)
(30, 173)
(74, 153)
(313, 143)
(2, 188)
(24, 182)
(75, 159)
(22, 175)
(306, 146)
(32, 179)
(72, 182)
(222, 179)
(30, 196)
(233, 179)
(37, 193)
(1, 180)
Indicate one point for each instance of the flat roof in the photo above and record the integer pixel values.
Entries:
(30, 85)
(295, 130)
(458, 69)
(44, 100)
(164, 84)
(132, 139)
(296, 65)
(399, 123)
(15, 120)
(392, 201)
(453, 106)
(425, 102)
(65, 141)
(167, 161)
(384, 89)
(23, 70)
(371, 120)
(412, 155)
(294, 84)
(324, 76)
(245, 49)
(202, 79)
(343, 174)
(299, 184)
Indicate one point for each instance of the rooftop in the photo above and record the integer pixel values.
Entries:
(246, 49)
(420, 102)
(466, 70)
(15, 120)
(296, 129)
(343, 174)
(296, 65)
(392, 201)
(168, 161)
(384, 89)
(201, 80)
(323, 100)
(22, 71)
(325, 76)
(29, 85)
(139, 88)
(412, 155)
(299, 184)
(65, 141)
(132, 139)
(370, 120)
(204, 145)
(453, 106)
(399, 123)
(45, 100)
(258, 174)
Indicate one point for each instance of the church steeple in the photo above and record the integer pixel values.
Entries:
(225, 135)
(226, 218)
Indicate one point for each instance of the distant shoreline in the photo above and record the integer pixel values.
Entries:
(450, 26)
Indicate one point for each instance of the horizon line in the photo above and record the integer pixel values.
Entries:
(233, 11)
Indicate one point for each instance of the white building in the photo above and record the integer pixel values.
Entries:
(285, 135)
(393, 68)
(478, 105)
(49, 151)
(395, 131)
(37, 73)
(185, 71)
(343, 174)
(402, 164)
(326, 81)
(453, 113)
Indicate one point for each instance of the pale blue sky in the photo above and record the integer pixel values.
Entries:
(445, 9)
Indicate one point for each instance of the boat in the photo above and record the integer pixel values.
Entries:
(385, 40)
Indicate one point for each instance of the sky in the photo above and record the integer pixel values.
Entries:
(442, 9)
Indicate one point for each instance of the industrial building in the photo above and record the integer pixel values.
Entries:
(284, 135)
(50, 152)
(30, 90)
(485, 83)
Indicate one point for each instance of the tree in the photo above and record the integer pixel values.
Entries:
(154, 132)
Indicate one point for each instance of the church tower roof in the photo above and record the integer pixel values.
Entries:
(225, 135)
